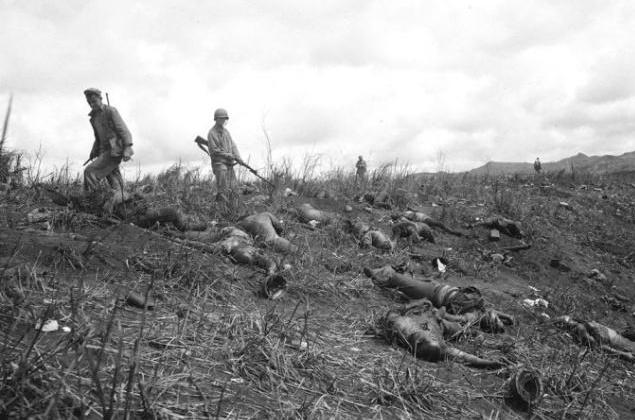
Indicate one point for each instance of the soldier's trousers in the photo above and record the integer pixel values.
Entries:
(225, 178)
(105, 166)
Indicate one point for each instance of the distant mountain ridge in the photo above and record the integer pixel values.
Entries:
(579, 162)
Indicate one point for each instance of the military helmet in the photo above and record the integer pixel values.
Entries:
(220, 113)
(92, 91)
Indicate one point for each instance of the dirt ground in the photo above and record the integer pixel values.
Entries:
(214, 346)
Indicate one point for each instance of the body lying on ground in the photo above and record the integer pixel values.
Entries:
(413, 231)
(594, 334)
(464, 305)
(420, 217)
(306, 212)
(380, 200)
(129, 207)
(367, 236)
(235, 243)
(266, 227)
(422, 329)
(506, 226)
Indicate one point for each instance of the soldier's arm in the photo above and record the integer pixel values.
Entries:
(234, 151)
(94, 151)
(213, 143)
(120, 128)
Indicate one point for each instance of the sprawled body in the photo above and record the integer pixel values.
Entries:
(422, 329)
(463, 305)
(266, 227)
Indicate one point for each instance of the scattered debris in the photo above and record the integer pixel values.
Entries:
(50, 325)
(274, 286)
(595, 274)
(525, 388)
(535, 303)
(557, 263)
(137, 299)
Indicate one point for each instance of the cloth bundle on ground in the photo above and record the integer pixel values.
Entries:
(266, 227)
(465, 305)
(594, 334)
(421, 217)
(368, 237)
(422, 329)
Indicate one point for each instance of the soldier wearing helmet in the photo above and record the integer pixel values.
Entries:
(113, 143)
(223, 152)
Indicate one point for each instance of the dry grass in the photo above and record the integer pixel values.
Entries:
(214, 348)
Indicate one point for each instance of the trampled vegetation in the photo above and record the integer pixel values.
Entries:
(213, 345)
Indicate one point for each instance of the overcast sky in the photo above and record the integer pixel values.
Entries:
(410, 80)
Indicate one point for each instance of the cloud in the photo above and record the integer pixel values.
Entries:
(475, 80)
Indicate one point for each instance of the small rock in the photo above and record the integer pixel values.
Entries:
(494, 235)
(49, 326)
(497, 258)
(348, 208)
(313, 223)
(138, 300)
(597, 275)
(556, 263)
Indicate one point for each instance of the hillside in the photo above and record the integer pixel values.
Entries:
(212, 344)
(580, 162)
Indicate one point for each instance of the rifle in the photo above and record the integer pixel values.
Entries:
(200, 142)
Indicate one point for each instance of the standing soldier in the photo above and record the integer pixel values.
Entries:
(537, 166)
(360, 175)
(113, 143)
(224, 154)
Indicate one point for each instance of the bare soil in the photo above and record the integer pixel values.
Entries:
(214, 346)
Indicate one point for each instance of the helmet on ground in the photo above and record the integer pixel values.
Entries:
(221, 113)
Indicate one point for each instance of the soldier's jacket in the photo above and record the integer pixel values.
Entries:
(111, 133)
(220, 141)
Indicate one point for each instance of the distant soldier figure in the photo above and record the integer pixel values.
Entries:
(113, 143)
(537, 166)
(224, 154)
(360, 175)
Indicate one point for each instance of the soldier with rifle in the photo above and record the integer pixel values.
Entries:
(224, 154)
(113, 143)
